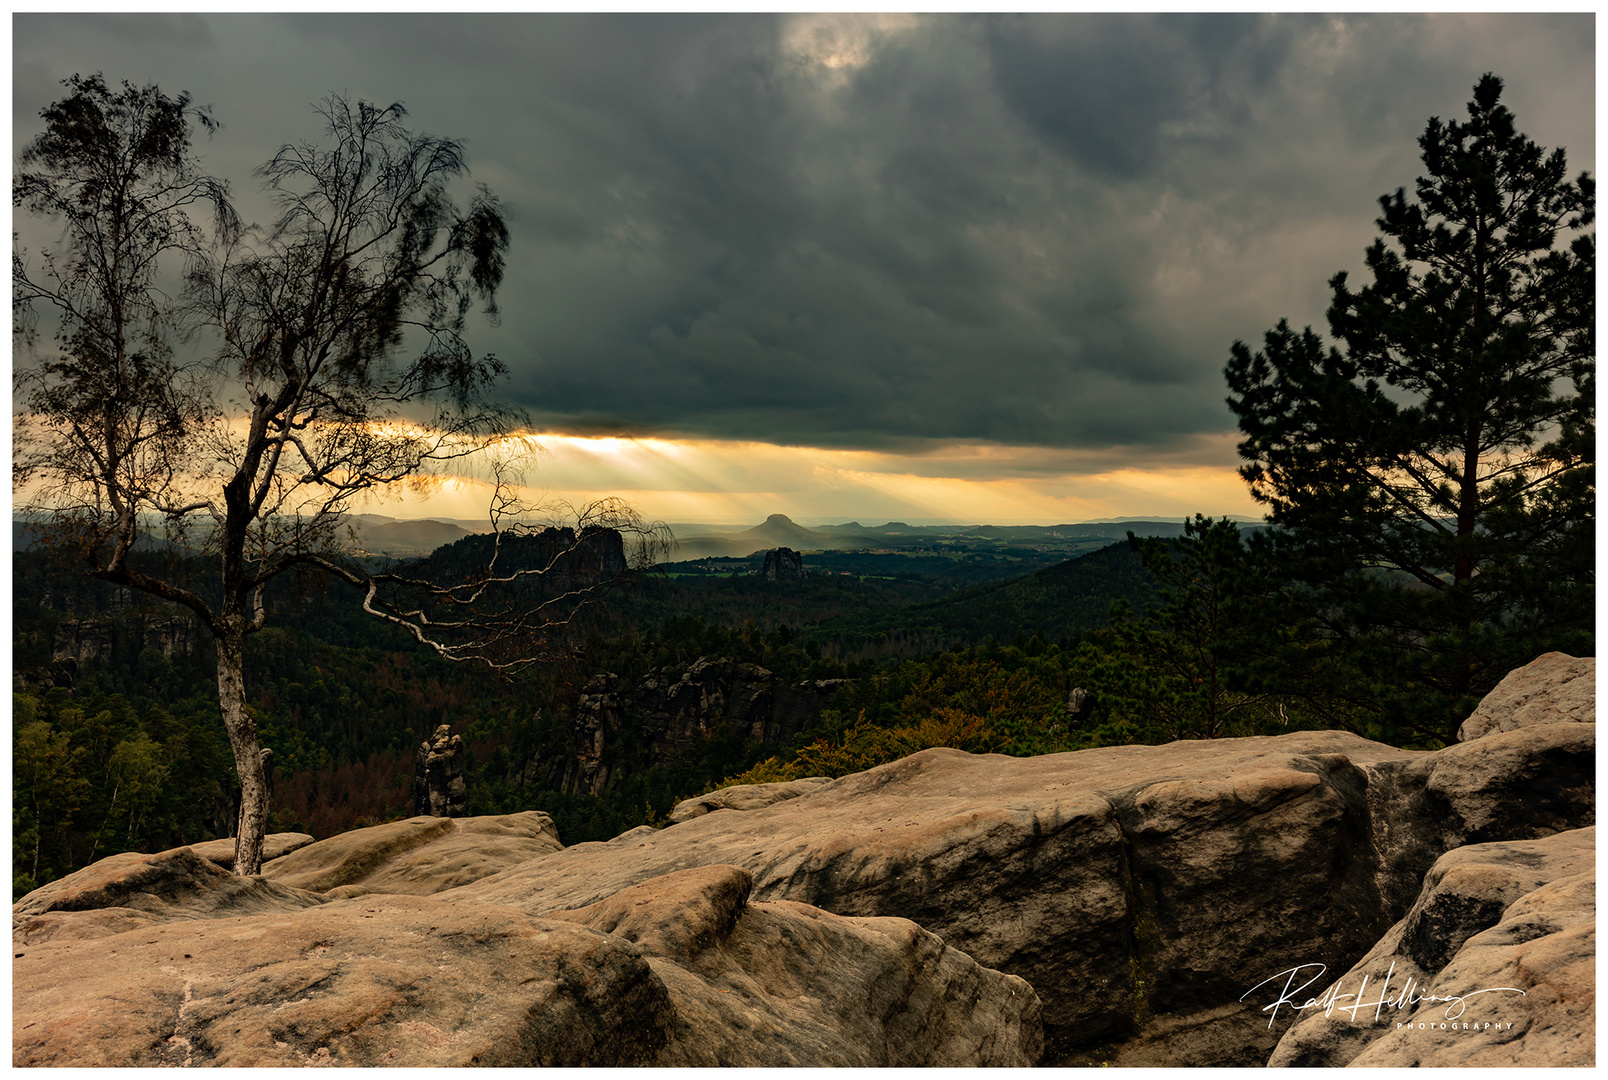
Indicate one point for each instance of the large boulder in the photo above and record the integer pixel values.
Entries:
(389, 980)
(417, 856)
(1554, 688)
(1492, 967)
(678, 971)
(785, 984)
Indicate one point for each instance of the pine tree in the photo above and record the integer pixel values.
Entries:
(1432, 486)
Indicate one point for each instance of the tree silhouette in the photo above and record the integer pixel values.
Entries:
(341, 369)
(1433, 486)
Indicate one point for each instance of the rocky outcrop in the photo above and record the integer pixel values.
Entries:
(82, 640)
(1141, 891)
(274, 845)
(621, 729)
(745, 797)
(678, 971)
(798, 986)
(393, 980)
(782, 564)
(1552, 689)
(554, 559)
(1492, 967)
(1123, 884)
(418, 856)
(124, 892)
(438, 782)
(76, 641)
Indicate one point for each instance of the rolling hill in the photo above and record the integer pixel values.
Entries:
(1064, 600)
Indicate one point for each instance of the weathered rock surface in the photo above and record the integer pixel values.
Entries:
(419, 855)
(1554, 688)
(273, 846)
(123, 892)
(804, 987)
(745, 797)
(1120, 883)
(1493, 966)
(678, 971)
(1130, 886)
(386, 980)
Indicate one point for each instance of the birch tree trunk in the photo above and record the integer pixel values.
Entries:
(242, 731)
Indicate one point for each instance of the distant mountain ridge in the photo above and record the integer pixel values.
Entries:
(378, 534)
(779, 530)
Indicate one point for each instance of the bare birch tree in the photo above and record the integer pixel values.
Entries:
(341, 369)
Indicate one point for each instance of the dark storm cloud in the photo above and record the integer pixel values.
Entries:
(863, 231)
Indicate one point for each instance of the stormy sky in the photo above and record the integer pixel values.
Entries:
(941, 267)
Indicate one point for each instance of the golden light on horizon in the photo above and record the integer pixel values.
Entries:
(728, 482)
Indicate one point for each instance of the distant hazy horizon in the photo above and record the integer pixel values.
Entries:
(689, 528)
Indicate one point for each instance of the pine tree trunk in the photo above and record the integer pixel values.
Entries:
(242, 731)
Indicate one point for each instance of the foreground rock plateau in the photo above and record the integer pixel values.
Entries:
(1132, 905)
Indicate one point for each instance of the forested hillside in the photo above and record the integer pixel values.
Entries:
(119, 745)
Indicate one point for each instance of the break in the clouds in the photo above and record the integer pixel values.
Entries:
(873, 232)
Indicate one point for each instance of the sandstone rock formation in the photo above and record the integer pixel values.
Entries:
(1493, 966)
(96, 637)
(566, 560)
(671, 709)
(273, 846)
(745, 797)
(1151, 897)
(678, 971)
(1552, 689)
(438, 782)
(393, 980)
(418, 856)
(1138, 889)
(782, 564)
(123, 892)
(798, 986)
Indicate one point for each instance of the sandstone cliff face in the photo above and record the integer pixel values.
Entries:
(1127, 906)
(81, 640)
(625, 728)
